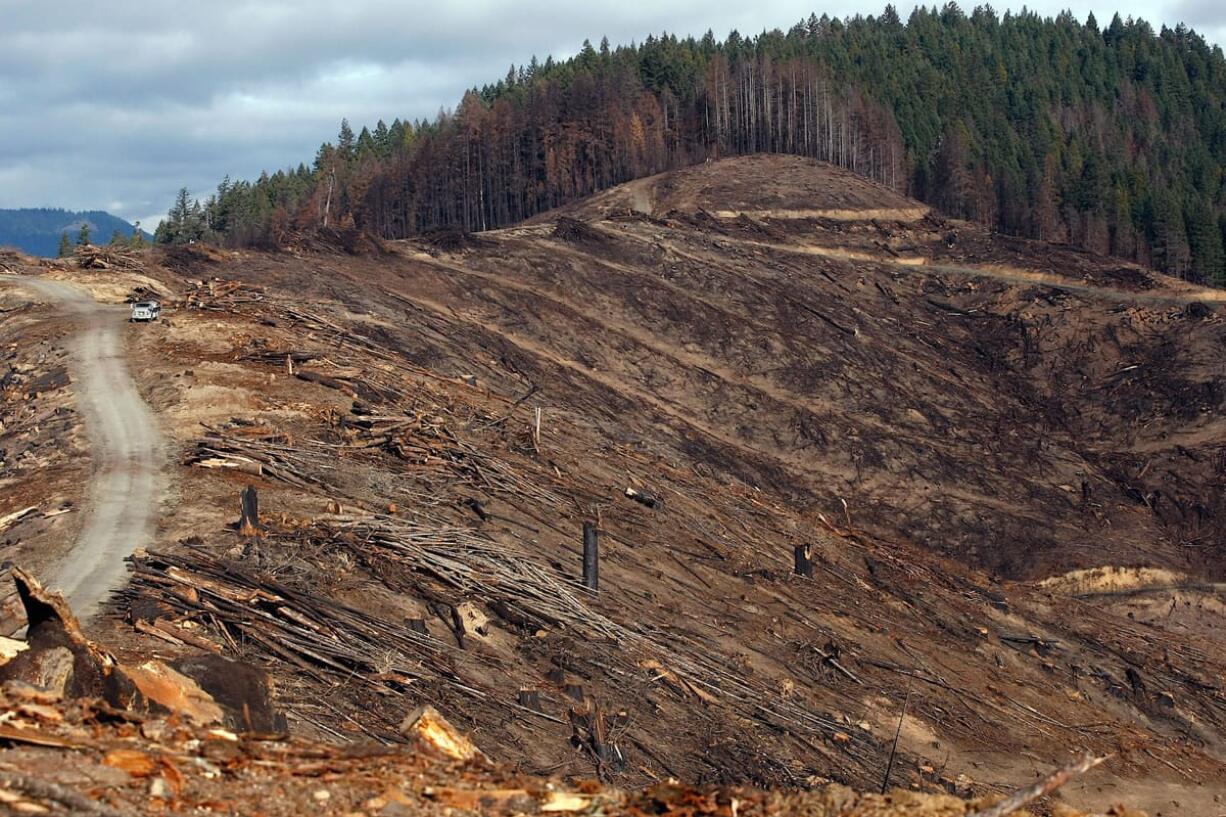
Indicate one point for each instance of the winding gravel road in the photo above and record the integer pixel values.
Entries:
(124, 490)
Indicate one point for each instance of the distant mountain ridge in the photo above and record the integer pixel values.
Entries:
(37, 230)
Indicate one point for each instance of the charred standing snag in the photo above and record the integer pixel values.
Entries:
(591, 556)
(804, 560)
(249, 522)
(530, 699)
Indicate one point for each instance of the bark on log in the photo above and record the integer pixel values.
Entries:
(530, 699)
(804, 560)
(249, 522)
(591, 557)
(643, 498)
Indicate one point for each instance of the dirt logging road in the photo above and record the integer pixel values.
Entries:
(124, 490)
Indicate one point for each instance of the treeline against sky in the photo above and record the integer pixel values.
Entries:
(1113, 139)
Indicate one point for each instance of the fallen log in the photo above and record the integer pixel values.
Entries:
(644, 498)
(1047, 785)
(324, 380)
(13, 518)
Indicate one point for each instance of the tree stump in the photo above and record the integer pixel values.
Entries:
(804, 560)
(249, 522)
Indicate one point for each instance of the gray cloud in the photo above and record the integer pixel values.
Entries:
(118, 106)
(1198, 13)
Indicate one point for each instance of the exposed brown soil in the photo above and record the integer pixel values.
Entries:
(947, 417)
(42, 444)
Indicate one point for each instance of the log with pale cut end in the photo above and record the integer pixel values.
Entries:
(426, 726)
(644, 498)
(16, 516)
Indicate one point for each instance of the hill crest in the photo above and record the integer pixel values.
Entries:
(763, 186)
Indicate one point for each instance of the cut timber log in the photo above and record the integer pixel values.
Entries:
(1047, 785)
(324, 380)
(244, 465)
(643, 498)
(430, 729)
(11, 519)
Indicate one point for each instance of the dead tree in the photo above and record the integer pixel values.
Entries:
(591, 557)
(249, 522)
(530, 699)
(804, 560)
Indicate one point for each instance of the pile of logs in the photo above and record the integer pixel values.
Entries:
(328, 641)
(423, 440)
(10, 260)
(91, 256)
(467, 564)
(323, 638)
(258, 351)
(426, 439)
(222, 296)
(262, 456)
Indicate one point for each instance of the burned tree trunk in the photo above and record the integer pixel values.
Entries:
(530, 699)
(591, 557)
(249, 522)
(804, 560)
(644, 498)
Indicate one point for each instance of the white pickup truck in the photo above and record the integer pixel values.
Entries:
(144, 311)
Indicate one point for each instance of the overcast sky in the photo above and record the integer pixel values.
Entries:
(116, 106)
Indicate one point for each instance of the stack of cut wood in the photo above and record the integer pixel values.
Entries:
(222, 296)
(260, 454)
(257, 350)
(91, 256)
(447, 567)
